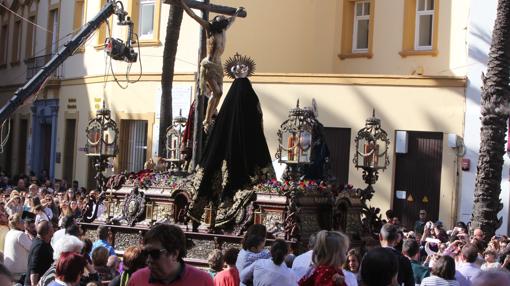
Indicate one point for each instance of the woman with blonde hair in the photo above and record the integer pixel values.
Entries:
(329, 255)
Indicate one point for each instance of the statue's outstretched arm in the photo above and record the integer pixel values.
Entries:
(233, 18)
(192, 14)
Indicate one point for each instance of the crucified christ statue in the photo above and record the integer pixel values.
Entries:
(211, 68)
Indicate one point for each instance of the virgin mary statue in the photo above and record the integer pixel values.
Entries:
(236, 155)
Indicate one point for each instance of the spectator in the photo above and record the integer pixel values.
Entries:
(411, 250)
(65, 210)
(353, 261)
(41, 254)
(69, 269)
(114, 264)
(75, 210)
(491, 278)
(16, 248)
(99, 260)
(272, 271)
(478, 234)
(14, 204)
(87, 249)
(66, 222)
(105, 237)
(165, 246)
(33, 190)
(379, 267)
(255, 230)
(303, 262)
(4, 228)
(40, 214)
(134, 259)
(468, 269)
(66, 244)
(20, 187)
(255, 250)
(229, 276)
(29, 224)
(215, 261)
(388, 237)
(490, 260)
(329, 254)
(419, 225)
(5, 276)
(443, 273)
(74, 229)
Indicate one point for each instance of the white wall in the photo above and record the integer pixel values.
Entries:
(481, 22)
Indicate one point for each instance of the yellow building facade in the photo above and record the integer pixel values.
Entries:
(405, 58)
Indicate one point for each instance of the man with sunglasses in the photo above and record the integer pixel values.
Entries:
(165, 248)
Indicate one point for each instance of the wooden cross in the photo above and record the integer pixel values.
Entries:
(205, 7)
(208, 7)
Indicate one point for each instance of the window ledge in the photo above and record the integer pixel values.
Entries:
(407, 53)
(344, 56)
(148, 43)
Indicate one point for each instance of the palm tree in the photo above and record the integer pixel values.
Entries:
(494, 99)
(173, 29)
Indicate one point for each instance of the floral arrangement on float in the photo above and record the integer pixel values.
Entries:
(306, 187)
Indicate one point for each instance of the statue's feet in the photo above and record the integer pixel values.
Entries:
(195, 226)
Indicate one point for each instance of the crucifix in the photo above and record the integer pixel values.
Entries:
(210, 67)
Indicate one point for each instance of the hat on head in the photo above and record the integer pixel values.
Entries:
(439, 223)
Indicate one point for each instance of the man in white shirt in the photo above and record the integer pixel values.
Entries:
(66, 222)
(468, 269)
(303, 265)
(303, 262)
(16, 248)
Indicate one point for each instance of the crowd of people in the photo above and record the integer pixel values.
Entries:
(41, 243)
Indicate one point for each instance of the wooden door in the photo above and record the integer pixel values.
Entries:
(22, 146)
(69, 150)
(418, 177)
(339, 144)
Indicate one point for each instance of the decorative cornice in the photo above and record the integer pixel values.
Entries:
(285, 78)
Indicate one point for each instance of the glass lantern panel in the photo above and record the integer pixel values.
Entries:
(367, 153)
(305, 144)
(381, 155)
(109, 135)
(94, 138)
(174, 147)
(290, 152)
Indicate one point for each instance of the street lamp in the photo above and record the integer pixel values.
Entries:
(101, 144)
(174, 134)
(372, 144)
(295, 140)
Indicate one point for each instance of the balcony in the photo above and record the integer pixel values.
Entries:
(36, 63)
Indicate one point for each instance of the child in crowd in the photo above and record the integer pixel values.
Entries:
(215, 260)
(229, 276)
(490, 260)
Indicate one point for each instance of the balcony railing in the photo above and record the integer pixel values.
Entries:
(36, 63)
